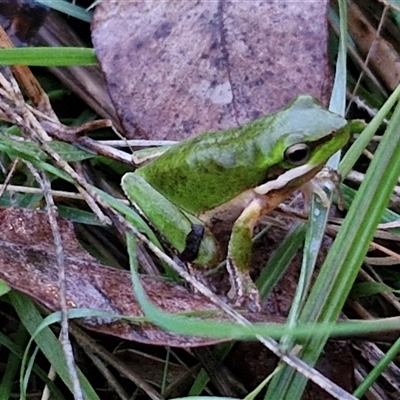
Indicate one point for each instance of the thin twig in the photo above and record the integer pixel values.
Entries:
(10, 174)
(46, 395)
(112, 382)
(44, 182)
(370, 52)
(33, 190)
(90, 346)
(25, 119)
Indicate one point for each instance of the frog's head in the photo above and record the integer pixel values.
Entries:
(310, 133)
(306, 137)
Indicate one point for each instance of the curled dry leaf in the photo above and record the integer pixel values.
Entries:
(177, 68)
(28, 264)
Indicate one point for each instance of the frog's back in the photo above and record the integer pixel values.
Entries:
(205, 171)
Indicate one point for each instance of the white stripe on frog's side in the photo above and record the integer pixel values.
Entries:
(284, 179)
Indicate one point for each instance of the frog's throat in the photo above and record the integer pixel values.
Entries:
(286, 178)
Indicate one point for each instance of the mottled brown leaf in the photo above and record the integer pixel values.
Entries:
(28, 264)
(177, 68)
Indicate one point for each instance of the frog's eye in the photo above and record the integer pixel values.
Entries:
(297, 154)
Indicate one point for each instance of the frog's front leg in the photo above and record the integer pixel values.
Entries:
(183, 231)
(243, 289)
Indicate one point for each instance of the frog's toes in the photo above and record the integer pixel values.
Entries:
(250, 299)
(243, 291)
(253, 303)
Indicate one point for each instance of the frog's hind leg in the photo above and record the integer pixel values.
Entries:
(184, 232)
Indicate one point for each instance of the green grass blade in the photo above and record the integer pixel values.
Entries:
(47, 342)
(280, 259)
(344, 260)
(338, 97)
(48, 56)
(361, 143)
(281, 382)
(12, 366)
(194, 325)
(18, 351)
(380, 367)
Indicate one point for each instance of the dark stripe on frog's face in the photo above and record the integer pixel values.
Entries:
(313, 146)
(192, 245)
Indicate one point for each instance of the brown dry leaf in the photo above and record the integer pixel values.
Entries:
(177, 68)
(383, 56)
(28, 264)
